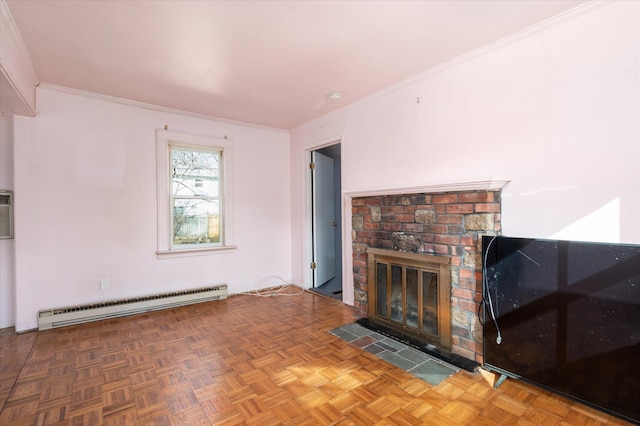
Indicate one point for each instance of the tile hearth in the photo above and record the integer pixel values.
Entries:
(419, 364)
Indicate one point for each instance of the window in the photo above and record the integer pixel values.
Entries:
(195, 195)
(194, 204)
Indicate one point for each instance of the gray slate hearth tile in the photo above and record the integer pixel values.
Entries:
(356, 329)
(388, 347)
(421, 365)
(432, 372)
(396, 360)
(414, 356)
(396, 346)
(379, 337)
(344, 335)
(374, 349)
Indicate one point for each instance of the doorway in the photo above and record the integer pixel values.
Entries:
(326, 223)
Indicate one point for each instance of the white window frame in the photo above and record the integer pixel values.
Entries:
(165, 139)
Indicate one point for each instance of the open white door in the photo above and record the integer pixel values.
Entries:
(324, 221)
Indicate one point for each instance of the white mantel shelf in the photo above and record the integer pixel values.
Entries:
(473, 185)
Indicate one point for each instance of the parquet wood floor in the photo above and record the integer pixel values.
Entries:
(245, 360)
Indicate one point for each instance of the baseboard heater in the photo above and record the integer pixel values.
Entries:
(61, 317)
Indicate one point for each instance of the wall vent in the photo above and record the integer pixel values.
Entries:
(61, 317)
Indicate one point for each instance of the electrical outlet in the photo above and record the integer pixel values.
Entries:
(105, 284)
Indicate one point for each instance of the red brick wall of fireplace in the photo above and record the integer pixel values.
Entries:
(449, 224)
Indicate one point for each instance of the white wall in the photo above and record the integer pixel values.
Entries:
(7, 246)
(554, 109)
(85, 172)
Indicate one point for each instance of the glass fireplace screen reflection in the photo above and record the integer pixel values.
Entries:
(408, 296)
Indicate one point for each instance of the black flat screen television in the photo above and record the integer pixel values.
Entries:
(565, 316)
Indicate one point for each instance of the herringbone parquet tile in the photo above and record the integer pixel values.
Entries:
(245, 360)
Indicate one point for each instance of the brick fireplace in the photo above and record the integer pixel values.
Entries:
(442, 224)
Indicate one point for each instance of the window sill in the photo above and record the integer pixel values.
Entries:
(198, 251)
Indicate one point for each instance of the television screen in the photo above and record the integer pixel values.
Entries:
(565, 316)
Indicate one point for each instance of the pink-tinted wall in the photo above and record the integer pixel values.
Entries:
(85, 179)
(554, 109)
(7, 246)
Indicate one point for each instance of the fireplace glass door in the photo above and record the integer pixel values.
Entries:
(408, 296)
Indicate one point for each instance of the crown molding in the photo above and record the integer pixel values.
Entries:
(151, 107)
(18, 79)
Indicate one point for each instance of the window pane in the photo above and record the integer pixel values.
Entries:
(412, 298)
(195, 173)
(430, 303)
(397, 304)
(196, 221)
(381, 289)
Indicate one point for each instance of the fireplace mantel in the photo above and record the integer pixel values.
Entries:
(471, 185)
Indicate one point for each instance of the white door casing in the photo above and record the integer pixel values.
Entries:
(324, 222)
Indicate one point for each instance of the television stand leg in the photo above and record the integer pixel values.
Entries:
(500, 381)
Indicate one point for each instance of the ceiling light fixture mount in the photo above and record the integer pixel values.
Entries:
(334, 96)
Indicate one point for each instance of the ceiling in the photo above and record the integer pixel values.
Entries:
(268, 63)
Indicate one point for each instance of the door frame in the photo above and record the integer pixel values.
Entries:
(308, 223)
(323, 188)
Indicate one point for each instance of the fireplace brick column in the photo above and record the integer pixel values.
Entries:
(446, 224)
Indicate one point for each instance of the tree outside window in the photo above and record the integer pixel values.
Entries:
(196, 200)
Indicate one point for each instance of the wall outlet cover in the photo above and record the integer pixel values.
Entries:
(105, 284)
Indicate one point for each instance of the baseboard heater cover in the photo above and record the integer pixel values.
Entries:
(61, 317)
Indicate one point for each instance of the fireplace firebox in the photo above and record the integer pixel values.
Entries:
(410, 293)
